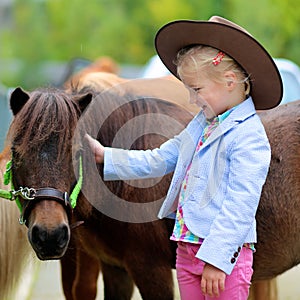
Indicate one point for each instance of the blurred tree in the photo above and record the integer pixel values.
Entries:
(58, 30)
(275, 23)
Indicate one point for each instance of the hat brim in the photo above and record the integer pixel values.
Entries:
(266, 83)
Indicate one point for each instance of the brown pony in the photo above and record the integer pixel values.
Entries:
(128, 252)
(126, 249)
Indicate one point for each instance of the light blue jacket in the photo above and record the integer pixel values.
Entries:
(225, 179)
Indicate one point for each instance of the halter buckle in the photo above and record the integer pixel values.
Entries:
(26, 193)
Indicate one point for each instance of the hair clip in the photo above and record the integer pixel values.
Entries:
(218, 58)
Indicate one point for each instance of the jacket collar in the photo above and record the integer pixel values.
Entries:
(243, 111)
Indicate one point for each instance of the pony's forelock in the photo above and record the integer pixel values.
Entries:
(50, 115)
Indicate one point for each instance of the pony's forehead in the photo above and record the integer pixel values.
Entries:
(48, 118)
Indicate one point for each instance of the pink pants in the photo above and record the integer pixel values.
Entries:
(189, 270)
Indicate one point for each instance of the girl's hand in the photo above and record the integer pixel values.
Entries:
(213, 281)
(97, 149)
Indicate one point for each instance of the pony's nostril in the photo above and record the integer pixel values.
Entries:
(62, 236)
(39, 236)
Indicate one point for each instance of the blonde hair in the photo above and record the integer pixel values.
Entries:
(196, 58)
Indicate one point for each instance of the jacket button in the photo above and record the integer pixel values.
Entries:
(236, 254)
(232, 260)
(239, 249)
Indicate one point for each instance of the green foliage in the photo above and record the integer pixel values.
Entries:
(59, 30)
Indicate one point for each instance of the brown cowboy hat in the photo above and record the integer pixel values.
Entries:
(217, 32)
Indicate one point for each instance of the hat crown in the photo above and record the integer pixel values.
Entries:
(218, 19)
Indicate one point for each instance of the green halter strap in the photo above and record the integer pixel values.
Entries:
(3, 193)
(78, 186)
(8, 179)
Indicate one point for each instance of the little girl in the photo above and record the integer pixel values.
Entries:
(220, 161)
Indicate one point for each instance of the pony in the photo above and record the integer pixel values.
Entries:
(127, 252)
(133, 247)
(14, 247)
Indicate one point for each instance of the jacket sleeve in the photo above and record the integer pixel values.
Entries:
(249, 160)
(120, 164)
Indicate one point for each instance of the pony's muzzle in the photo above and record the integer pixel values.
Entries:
(50, 244)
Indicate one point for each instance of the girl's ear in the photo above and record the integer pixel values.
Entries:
(231, 80)
(18, 98)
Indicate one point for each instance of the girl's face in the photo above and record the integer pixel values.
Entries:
(211, 96)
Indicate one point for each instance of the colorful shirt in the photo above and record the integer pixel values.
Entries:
(180, 231)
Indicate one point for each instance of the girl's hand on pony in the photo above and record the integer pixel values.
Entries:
(213, 281)
(97, 149)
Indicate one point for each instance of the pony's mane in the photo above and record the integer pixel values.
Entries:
(50, 115)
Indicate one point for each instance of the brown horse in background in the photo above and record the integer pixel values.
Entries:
(281, 170)
(278, 214)
(103, 64)
(132, 252)
(101, 81)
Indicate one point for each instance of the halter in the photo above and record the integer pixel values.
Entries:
(32, 195)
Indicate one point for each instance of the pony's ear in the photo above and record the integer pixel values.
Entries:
(18, 98)
(84, 100)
